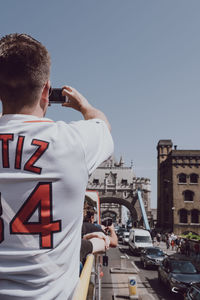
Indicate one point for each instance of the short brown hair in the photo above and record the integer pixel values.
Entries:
(24, 69)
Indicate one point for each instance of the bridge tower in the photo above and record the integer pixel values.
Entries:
(117, 185)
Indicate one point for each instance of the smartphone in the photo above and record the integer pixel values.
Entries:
(107, 222)
(56, 96)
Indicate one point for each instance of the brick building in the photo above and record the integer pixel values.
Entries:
(178, 203)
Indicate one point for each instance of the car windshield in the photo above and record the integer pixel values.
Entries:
(153, 251)
(142, 239)
(183, 267)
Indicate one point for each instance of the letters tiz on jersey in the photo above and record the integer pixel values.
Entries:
(30, 163)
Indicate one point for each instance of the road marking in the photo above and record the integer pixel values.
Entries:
(134, 265)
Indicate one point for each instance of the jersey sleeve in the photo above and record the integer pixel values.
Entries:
(96, 140)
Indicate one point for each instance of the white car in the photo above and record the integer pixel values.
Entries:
(125, 237)
(139, 239)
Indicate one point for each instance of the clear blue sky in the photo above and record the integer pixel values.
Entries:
(136, 60)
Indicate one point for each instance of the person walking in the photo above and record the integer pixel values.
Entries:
(158, 238)
(44, 170)
(187, 247)
(196, 250)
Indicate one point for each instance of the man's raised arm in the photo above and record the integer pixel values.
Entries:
(80, 103)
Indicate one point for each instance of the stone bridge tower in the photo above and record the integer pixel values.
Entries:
(117, 185)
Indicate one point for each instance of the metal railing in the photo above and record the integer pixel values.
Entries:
(89, 285)
(84, 280)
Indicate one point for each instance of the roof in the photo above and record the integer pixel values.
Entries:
(141, 231)
(185, 153)
(165, 143)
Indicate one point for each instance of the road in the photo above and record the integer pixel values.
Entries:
(148, 284)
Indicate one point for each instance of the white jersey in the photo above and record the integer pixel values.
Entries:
(44, 168)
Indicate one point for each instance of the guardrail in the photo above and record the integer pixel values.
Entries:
(84, 280)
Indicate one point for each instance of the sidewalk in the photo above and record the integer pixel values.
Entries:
(192, 256)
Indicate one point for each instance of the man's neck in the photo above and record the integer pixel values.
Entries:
(34, 111)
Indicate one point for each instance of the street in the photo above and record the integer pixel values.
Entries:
(147, 280)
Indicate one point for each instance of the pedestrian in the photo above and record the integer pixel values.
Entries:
(196, 250)
(177, 243)
(158, 238)
(43, 175)
(187, 247)
(167, 241)
(172, 244)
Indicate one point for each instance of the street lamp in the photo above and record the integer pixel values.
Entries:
(173, 209)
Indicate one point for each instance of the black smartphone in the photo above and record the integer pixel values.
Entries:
(56, 96)
(107, 222)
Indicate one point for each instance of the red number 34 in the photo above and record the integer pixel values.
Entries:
(41, 199)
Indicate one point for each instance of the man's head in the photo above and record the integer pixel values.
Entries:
(24, 71)
(89, 216)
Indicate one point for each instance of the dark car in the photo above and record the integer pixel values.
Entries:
(193, 292)
(152, 256)
(177, 274)
(120, 232)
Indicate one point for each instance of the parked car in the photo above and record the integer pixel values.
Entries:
(116, 228)
(139, 239)
(120, 232)
(152, 257)
(125, 237)
(177, 274)
(193, 292)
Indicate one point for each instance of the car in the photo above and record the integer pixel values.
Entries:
(177, 274)
(120, 232)
(193, 292)
(151, 257)
(139, 239)
(125, 237)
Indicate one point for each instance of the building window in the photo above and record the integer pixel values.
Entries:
(96, 181)
(182, 178)
(183, 216)
(194, 216)
(124, 194)
(188, 195)
(124, 182)
(194, 178)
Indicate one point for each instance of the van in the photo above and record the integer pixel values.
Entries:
(139, 239)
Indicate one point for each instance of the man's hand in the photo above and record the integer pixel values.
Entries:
(111, 231)
(108, 229)
(80, 103)
(75, 99)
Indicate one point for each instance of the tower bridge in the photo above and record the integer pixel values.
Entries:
(117, 186)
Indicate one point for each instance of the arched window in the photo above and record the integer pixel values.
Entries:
(188, 195)
(183, 216)
(182, 178)
(193, 178)
(194, 216)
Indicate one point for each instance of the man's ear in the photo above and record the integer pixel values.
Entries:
(45, 94)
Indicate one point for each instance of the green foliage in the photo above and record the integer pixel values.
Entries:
(191, 236)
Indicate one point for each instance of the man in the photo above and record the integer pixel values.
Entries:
(44, 171)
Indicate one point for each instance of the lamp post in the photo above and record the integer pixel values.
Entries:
(173, 210)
